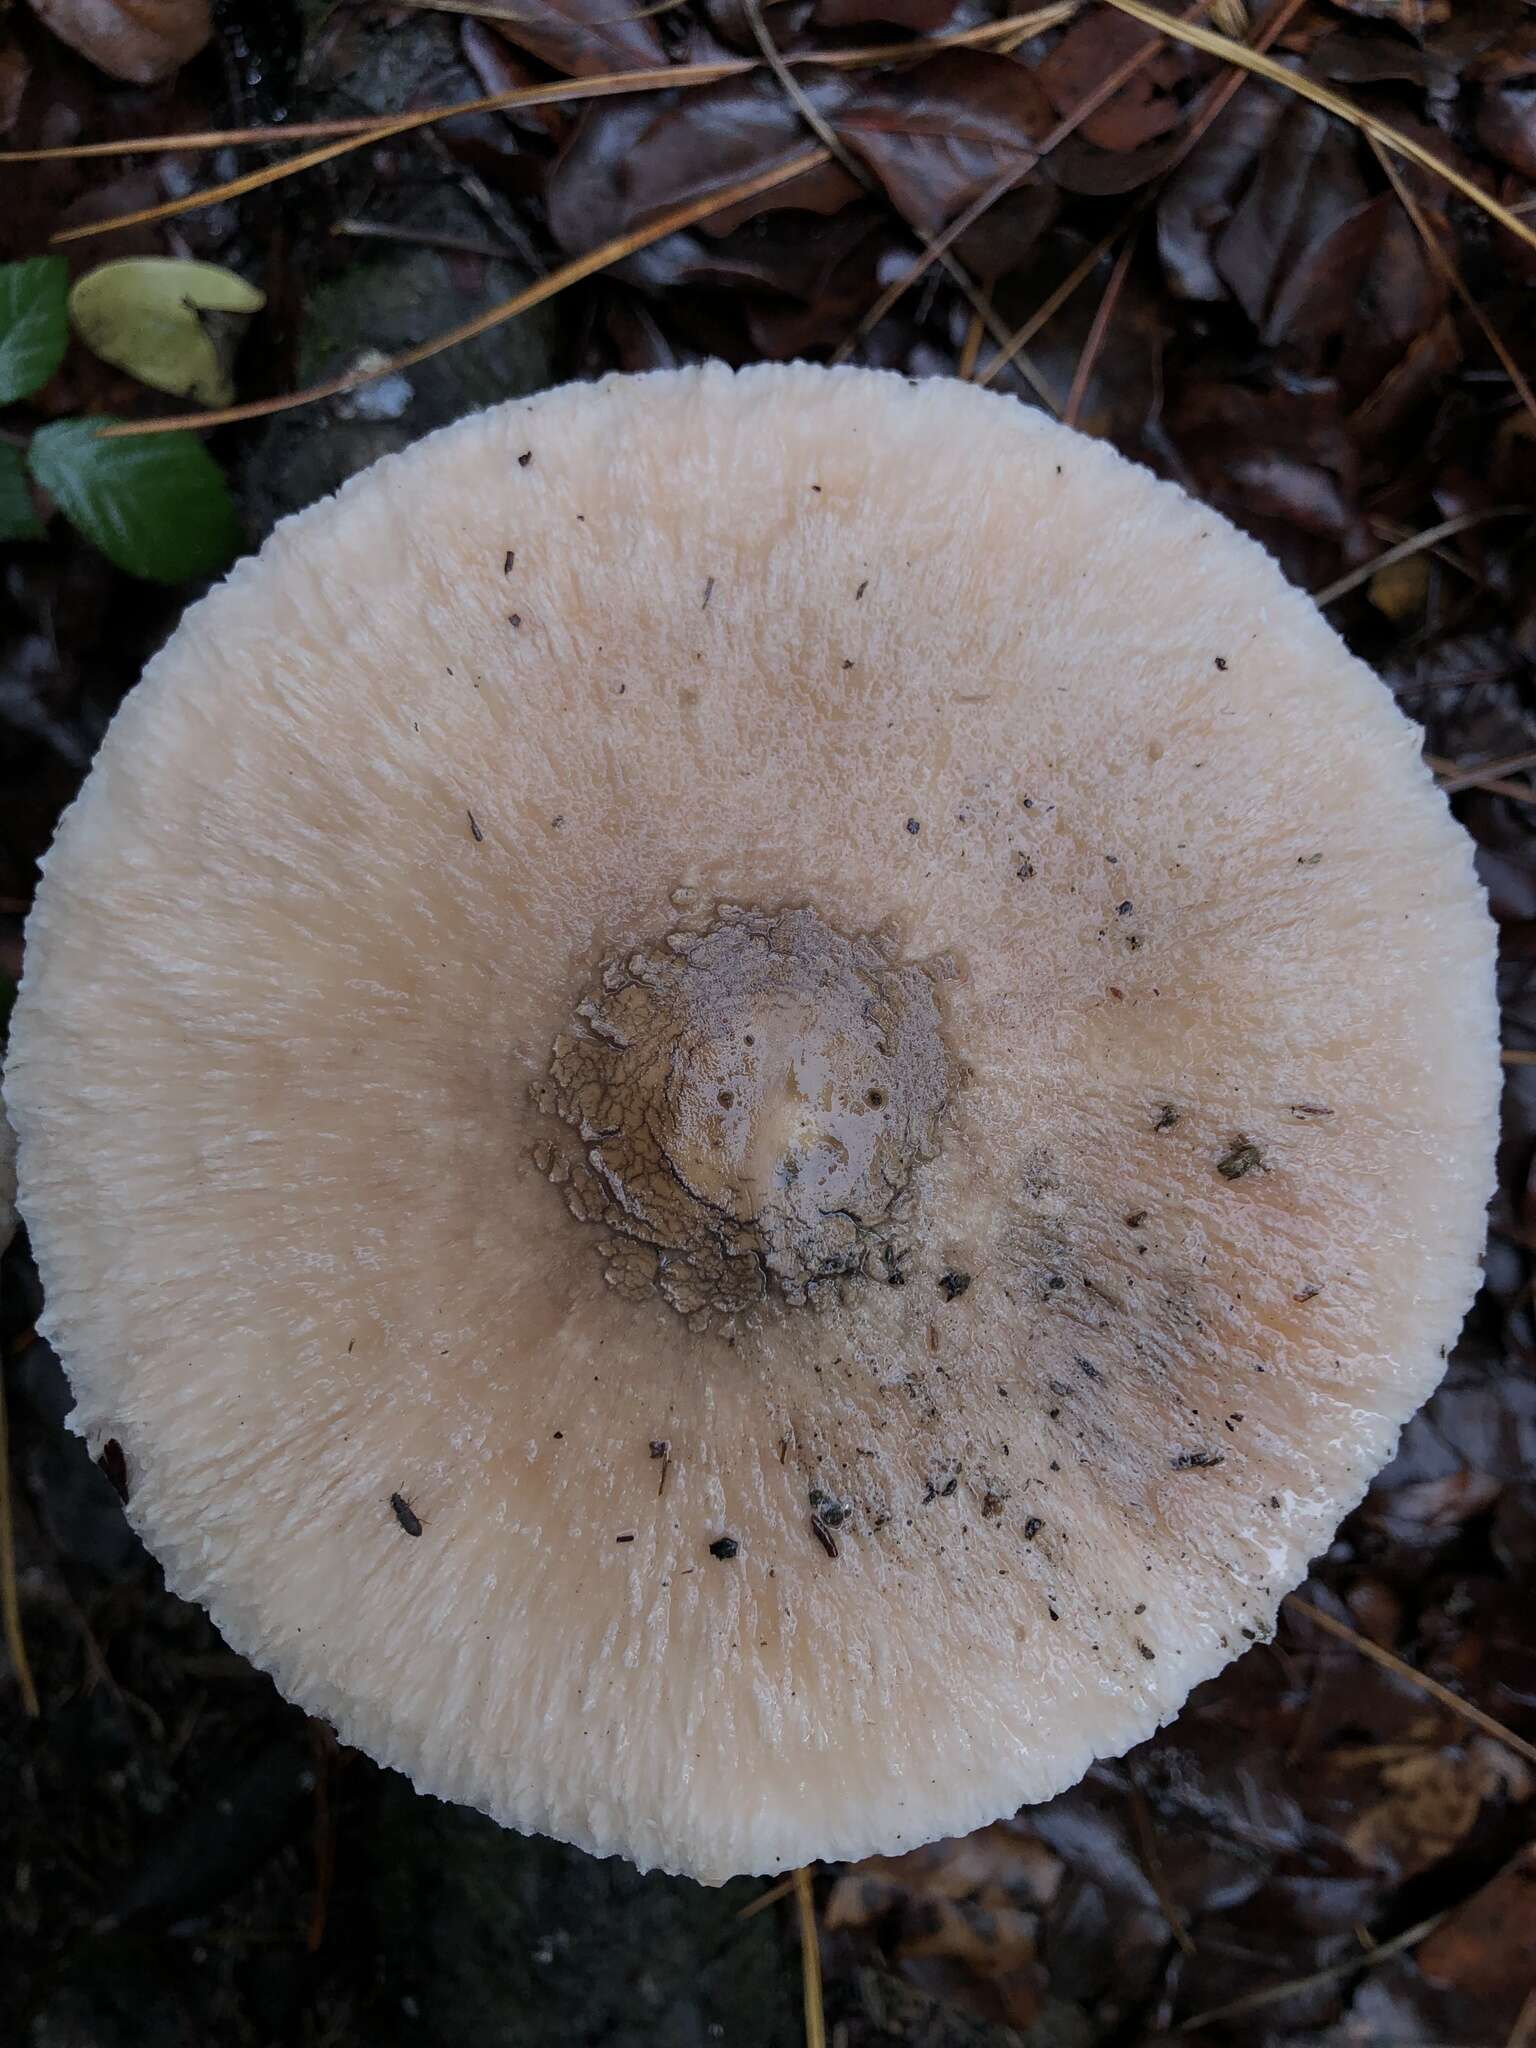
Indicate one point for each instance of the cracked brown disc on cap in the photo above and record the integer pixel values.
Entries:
(753, 1096)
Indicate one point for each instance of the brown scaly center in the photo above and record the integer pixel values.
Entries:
(751, 1100)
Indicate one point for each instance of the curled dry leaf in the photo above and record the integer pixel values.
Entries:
(174, 325)
(140, 40)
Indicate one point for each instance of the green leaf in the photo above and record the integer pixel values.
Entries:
(18, 515)
(155, 504)
(34, 323)
(171, 323)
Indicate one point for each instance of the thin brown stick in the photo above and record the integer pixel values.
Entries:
(1152, 1863)
(1514, 1056)
(549, 287)
(412, 238)
(1212, 104)
(605, 87)
(367, 126)
(1262, 66)
(970, 348)
(1098, 329)
(1456, 775)
(323, 1748)
(1000, 186)
(771, 1897)
(1390, 1662)
(790, 86)
(1523, 2033)
(1048, 309)
(1414, 545)
(980, 303)
(1448, 269)
(810, 1961)
(10, 1603)
(1271, 1994)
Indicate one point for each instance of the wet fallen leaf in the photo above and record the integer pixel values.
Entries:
(1142, 109)
(629, 159)
(34, 328)
(172, 324)
(140, 40)
(938, 136)
(158, 507)
(580, 38)
(1486, 1949)
(1307, 186)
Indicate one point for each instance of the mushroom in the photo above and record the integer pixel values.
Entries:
(753, 1096)
(7, 1180)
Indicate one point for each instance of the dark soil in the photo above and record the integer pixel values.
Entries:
(189, 1860)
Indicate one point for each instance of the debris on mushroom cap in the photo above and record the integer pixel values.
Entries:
(369, 1159)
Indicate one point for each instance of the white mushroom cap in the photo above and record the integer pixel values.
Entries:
(7, 1180)
(359, 937)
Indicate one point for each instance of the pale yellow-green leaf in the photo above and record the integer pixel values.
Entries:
(170, 323)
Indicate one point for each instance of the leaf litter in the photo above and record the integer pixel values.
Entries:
(1323, 334)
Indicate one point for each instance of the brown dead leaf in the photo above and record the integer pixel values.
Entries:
(581, 38)
(918, 17)
(140, 40)
(938, 136)
(630, 159)
(1430, 1799)
(1308, 184)
(1200, 197)
(1486, 1948)
(959, 1918)
(1090, 50)
(14, 73)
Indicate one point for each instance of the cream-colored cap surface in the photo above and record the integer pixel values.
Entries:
(1197, 1195)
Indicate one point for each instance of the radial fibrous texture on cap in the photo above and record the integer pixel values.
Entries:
(753, 1096)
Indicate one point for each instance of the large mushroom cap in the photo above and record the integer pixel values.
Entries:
(753, 1095)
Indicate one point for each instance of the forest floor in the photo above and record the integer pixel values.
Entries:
(1330, 342)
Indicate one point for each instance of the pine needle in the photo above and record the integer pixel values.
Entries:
(368, 127)
(1272, 1994)
(980, 303)
(1523, 2033)
(536, 294)
(999, 188)
(1152, 1863)
(764, 1900)
(1103, 314)
(1454, 777)
(1436, 1691)
(1213, 104)
(971, 348)
(1050, 307)
(1453, 277)
(10, 1603)
(1415, 545)
(810, 1961)
(521, 96)
(1199, 37)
